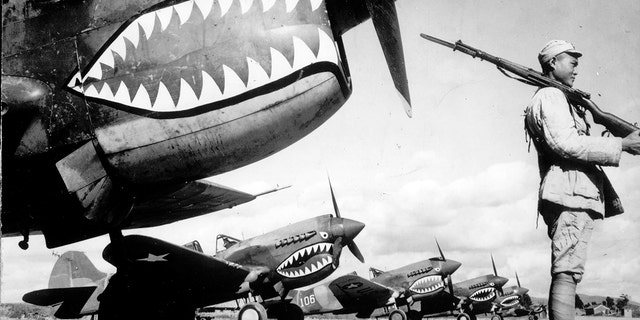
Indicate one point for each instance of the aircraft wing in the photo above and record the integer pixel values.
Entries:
(71, 300)
(158, 268)
(159, 206)
(188, 200)
(357, 293)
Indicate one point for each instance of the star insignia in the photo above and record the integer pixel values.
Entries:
(352, 285)
(153, 258)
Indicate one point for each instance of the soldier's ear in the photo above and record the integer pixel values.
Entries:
(552, 63)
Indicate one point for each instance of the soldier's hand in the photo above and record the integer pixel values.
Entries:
(631, 143)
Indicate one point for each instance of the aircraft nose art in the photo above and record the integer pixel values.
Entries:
(484, 294)
(510, 301)
(200, 55)
(307, 261)
(427, 284)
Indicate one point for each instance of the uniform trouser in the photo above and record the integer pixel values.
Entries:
(569, 231)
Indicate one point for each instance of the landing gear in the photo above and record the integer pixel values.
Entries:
(397, 315)
(464, 316)
(498, 317)
(252, 311)
(24, 243)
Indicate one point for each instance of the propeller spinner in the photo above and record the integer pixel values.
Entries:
(350, 229)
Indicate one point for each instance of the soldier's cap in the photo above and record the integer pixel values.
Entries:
(556, 47)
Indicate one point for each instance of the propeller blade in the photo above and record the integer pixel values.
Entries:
(333, 198)
(518, 280)
(356, 251)
(337, 250)
(450, 283)
(385, 20)
(495, 272)
(441, 254)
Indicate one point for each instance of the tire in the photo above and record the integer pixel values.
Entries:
(463, 316)
(397, 315)
(496, 317)
(252, 311)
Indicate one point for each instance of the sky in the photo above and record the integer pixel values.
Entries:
(460, 170)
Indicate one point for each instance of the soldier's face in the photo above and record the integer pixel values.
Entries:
(565, 68)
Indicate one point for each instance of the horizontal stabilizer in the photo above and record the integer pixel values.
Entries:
(71, 300)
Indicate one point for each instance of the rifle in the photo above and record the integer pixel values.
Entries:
(615, 125)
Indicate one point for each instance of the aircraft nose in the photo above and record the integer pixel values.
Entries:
(521, 291)
(450, 266)
(501, 281)
(351, 228)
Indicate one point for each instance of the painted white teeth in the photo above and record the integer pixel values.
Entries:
(96, 70)
(204, 6)
(184, 11)
(164, 102)
(279, 65)
(164, 15)
(291, 4)
(303, 56)
(132, 33)
(327, 49)
(142, 98)
(91, 91)
(224, 6)
(315, 4)
(118, 46)
(233, 84)
(267, 4)
(245, 5)
(187, 96)
(147, 22)
(106, 93)
(122, 95)
(210, 90)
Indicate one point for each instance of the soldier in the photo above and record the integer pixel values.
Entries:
(573, 190)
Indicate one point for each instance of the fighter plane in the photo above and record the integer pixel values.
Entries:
(398, 287)
(468, 297)
(159, 280)
(514, 302)
(114, 111)
(507, 300)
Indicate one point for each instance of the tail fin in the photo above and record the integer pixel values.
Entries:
(74, 269)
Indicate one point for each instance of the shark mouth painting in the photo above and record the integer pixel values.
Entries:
(428, 284)
(483, 295)
(510, 301)
(201, 55)
(307, 261)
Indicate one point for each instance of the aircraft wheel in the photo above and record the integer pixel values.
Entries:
(497, 317)
(397, 315)
(414, 315)
(252, 311)
(464, 316)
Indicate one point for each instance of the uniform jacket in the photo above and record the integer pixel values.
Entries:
(569, 158)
